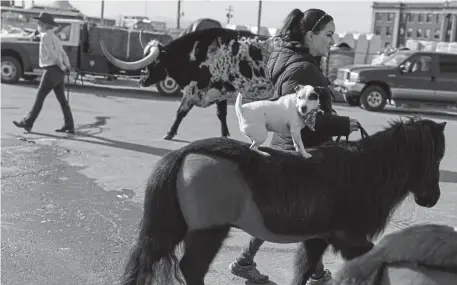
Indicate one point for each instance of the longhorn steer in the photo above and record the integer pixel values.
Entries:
(210, 66)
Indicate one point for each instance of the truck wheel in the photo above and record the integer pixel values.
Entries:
(168, 87)
(373, 98)
(11, 69)
(352, 101)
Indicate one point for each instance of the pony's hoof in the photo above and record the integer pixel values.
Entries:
(168, 137)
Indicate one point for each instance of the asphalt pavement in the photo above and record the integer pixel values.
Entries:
(71, 204)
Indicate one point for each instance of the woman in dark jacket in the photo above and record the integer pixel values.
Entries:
(296, 59)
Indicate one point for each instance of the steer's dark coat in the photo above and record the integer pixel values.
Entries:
(210, 66)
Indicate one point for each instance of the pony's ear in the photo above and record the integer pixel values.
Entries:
(440, 126)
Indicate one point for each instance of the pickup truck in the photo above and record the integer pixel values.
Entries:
(81, 41)
(406, 78)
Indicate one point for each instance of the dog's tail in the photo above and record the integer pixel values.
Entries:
(239, 110)
(239, 105)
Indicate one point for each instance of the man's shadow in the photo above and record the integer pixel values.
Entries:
(83, 132)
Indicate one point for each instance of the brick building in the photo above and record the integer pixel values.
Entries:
(397, 22)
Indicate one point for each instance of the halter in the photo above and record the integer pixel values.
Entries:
(363, 133)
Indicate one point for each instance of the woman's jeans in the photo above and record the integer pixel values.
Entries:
(52, 79)
(250, 250)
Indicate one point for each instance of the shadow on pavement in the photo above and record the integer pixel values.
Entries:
(111, 143)
(106, 92)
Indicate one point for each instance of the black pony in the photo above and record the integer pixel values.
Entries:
(421, 255)
(343, 196)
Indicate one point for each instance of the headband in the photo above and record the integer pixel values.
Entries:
(318, 21)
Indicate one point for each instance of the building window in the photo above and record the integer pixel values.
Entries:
(448, 35)
(388, 31)
(390, 17)
(428, 33)
(409, 33)
(377, 30)
(403, 17)
(437, 33)
(378, 17)
(387, 44)
(419, 33)
(429, 18)
(412, 18)
(420, 18)
(408, 17)
(402, 31)
(438, 18)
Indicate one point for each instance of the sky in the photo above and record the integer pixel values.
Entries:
(350, 16)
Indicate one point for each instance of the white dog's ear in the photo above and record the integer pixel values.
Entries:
(298, 87)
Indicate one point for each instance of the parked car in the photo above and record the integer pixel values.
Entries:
(405, 78)
(168, 86)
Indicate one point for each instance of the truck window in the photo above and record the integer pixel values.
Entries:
(422, 63)
(448, 63)
(396, 58)
(62, 31)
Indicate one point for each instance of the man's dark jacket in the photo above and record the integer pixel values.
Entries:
(291, 64)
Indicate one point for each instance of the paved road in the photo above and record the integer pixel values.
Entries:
(71, 204)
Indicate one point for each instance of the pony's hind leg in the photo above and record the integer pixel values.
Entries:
(201, 246)
(308, 256)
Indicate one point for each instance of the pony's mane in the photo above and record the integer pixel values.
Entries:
(431, 245)
(389, 160)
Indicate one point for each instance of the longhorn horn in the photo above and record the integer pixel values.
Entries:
(135, 65)
(141, 38)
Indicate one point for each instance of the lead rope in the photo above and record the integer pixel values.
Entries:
(363, 133)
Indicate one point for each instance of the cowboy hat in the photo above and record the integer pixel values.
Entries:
(46, 18)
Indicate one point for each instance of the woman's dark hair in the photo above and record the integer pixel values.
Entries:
(298, 23)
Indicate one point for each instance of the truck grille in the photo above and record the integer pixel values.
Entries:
(342, 75)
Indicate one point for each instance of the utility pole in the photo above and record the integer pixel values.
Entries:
(259, 16)
(178, 25)
(229, 13)
(102, 21)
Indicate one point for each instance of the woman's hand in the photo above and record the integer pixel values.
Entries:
(353, 125)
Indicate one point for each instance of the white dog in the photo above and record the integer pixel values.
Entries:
(284, 116)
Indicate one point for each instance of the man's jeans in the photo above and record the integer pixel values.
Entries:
(250, 250)
(53, 79)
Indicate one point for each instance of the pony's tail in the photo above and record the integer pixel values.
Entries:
(162, 228)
